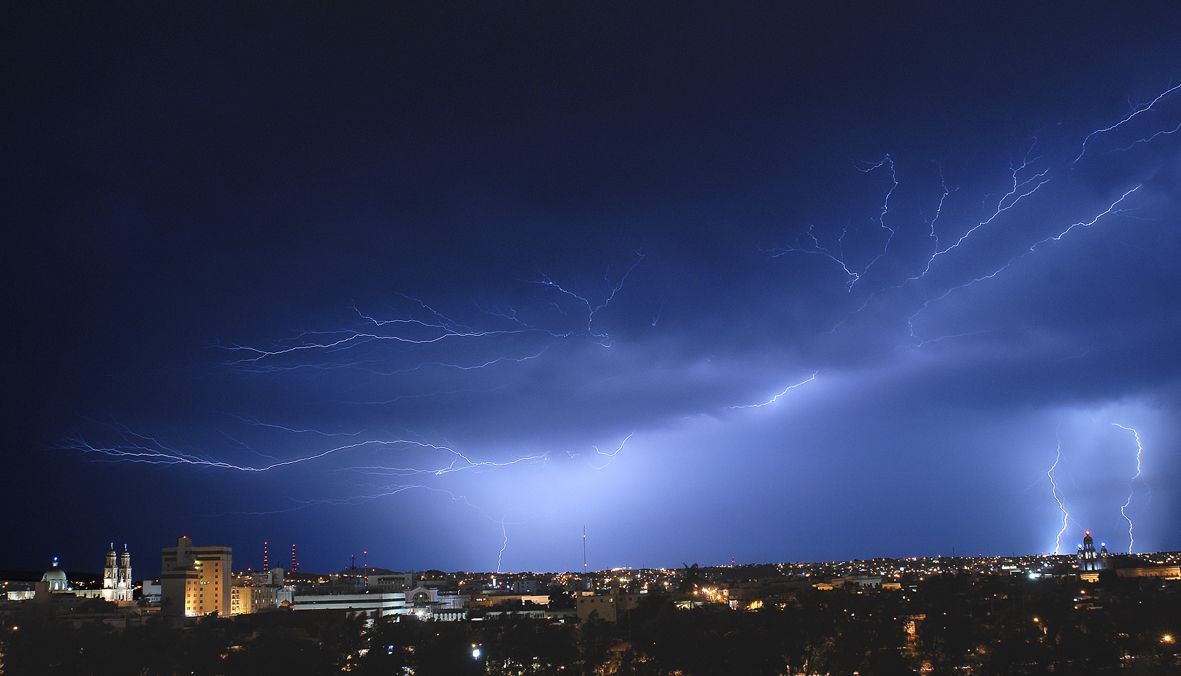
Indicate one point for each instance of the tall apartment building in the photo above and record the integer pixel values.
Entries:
(195, 581)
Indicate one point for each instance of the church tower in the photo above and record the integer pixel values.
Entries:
(124, 580)
(1088, 559)
(117, 585)
(110, 570)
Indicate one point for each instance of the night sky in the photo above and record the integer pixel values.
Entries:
(450, 282)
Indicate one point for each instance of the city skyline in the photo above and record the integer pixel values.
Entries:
(760, 286)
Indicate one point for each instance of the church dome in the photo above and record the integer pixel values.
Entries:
(52, 574)
(55, 576)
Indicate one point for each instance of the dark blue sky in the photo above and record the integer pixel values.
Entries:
(475, 248)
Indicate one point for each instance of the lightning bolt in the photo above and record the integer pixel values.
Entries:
(934, 235)
(1137, 110)
(838, 257)
(1149, 139)
(293, 430)
(817, 249)
(886, 161)
(142, 449)
(1123, 510)
(610, 455)
(779, 395)
(503, 546)
(593, 309)
(132, 447)
(1019, 189)
(422, 326)
(1033, 248)
(1057, 497)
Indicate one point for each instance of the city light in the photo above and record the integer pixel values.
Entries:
(671, 340)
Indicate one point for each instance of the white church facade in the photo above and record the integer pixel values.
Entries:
(117, 584)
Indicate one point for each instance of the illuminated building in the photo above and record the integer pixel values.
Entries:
(151, 592)
(606, 607)
(256, 592)
(55, 578)
(117, 585)
(195, 581)
(372, 605)
(1163, 572)
(241, 599)
(1089, 559)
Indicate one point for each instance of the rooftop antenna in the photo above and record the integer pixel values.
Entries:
(584, 549)
(266, 556)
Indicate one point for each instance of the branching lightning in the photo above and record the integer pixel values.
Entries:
(424, 326)
(1123, 510)
(886, 161)
(1020, 188)
(838, 256)
(1136, 110)
(934, 234)
(420, 337)
(593, 309)
(817, 249)
(1111, 208)
(146, 450)
(129, 446)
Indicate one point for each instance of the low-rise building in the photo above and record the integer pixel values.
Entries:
(606, 607)
(379, 604)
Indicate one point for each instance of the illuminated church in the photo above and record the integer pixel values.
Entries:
(54, 579)
(1088, 559)
(117, 584)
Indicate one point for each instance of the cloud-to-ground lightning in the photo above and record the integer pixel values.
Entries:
(1136, 110)
(1123, 510)
(778, 395)
(1057, 497)
(503, 546)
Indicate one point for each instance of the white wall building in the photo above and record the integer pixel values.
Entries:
(372, 605)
